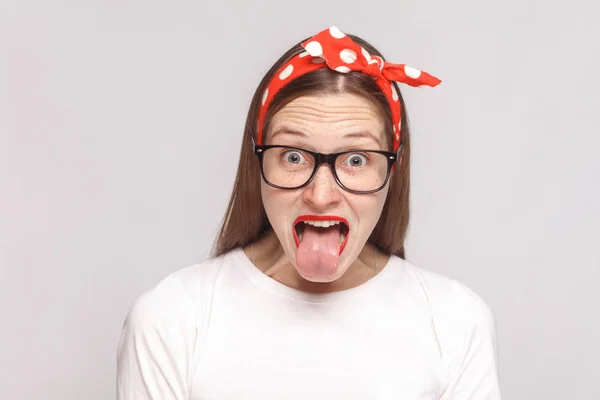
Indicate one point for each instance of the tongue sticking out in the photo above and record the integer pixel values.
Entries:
(319, 251)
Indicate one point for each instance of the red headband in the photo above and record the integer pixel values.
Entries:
(332, 48)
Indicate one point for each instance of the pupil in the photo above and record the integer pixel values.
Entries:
(355, 161)
(294, 158)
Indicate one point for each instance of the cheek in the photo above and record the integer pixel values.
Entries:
(267, 196)
(277, 204)
(368, 210)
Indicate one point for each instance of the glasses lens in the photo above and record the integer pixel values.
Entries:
(362, 171)
(287, 167)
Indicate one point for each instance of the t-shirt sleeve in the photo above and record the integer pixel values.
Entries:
(155, 351)
(472, 362)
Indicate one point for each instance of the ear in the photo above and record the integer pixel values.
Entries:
(399, 159)
(401, 156)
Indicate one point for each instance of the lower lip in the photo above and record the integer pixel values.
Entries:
(300, 219)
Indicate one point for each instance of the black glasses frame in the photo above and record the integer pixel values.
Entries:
(329, 159)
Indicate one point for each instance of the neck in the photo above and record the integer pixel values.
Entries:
(270, 258)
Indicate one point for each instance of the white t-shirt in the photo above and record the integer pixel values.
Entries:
(223, 330)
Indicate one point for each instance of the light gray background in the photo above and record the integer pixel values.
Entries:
(120, 125)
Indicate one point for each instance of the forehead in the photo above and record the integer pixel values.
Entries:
(330, 119)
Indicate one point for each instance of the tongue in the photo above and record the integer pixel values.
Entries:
(318, 252)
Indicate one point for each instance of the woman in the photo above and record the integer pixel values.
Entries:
(308, 295)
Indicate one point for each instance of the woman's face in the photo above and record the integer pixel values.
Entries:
(327, 124)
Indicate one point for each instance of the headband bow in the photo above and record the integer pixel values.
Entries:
(333, 49)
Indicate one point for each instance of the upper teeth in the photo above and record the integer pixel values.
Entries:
(324, 224)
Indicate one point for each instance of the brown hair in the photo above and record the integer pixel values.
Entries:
(245, 219)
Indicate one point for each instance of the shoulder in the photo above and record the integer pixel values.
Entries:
(463, 326)
(451, 301)
(161, 334)
(183, 295)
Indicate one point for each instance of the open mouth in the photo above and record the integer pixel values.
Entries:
(322, 225)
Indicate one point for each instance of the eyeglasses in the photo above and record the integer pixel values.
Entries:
(356, 171)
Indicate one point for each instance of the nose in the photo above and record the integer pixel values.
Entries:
(323, 191)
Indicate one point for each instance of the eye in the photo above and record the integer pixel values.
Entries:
(356, 160)
(293, 157)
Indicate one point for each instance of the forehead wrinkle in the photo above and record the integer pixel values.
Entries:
(354, 120)
(296, 119)
(331, 113)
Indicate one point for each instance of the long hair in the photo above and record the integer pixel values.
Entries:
(245, 219)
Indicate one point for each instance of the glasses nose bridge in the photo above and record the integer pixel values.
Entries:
(328, 159)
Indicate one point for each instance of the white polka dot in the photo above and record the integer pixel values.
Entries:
(375, 61)
(343, 69)
(397, 136)
(286, 72)
(314, 49)
(336, 33)
(412, 72)
(427, 86)
(394, 92)
(265, 95)
(365, 54)
(303, 54)
(394, 126)
(400, 126)
(318, 60)
(348, 56)
(381, 63)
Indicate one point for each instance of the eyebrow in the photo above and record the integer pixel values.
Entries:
(364, 135)
(358, 135)
(287, 130)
